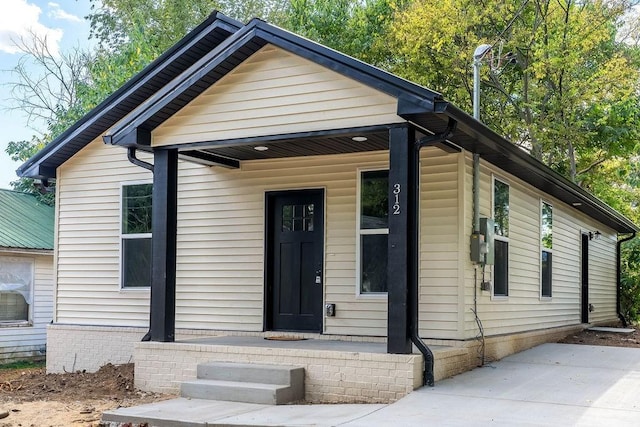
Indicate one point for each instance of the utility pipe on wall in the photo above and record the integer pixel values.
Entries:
(478, 56)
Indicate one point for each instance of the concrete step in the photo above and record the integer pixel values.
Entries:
(246, 382)
(254, 373)
(241, 391)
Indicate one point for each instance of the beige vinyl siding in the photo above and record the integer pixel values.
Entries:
(220, 265)
(275, 92)
(18, 343)
(221, 236)
(524, 309)
(88, 239)
(439, 244)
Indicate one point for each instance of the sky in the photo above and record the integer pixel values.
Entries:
(63, 24)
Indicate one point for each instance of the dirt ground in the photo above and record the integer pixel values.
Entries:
(612, 339)
(33, 398)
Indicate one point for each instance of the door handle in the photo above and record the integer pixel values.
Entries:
(318, 277)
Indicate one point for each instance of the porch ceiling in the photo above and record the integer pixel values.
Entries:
(292, 146)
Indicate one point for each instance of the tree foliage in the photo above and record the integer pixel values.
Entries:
(557, 81)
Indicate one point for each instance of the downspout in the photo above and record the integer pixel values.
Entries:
(619, 278)
(428, 375)
(131, 155)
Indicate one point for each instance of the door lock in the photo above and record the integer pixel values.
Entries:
(318, 277)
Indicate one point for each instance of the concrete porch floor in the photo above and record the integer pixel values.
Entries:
(322, 344)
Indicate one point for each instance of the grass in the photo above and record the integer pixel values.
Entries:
(23, 364)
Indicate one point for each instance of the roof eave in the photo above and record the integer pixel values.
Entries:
(499, 144)
(31, 168)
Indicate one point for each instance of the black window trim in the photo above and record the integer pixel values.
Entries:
(494, 296)
(360, 233)
(122, 236)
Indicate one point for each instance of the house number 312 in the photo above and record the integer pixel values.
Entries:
(396, 199)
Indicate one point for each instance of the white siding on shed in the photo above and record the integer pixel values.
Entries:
(275, 92)
(21, 342)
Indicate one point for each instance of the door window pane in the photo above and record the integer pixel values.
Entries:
(297, 217)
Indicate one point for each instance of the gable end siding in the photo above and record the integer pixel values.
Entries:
(272, 93)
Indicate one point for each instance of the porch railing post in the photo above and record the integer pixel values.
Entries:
(400, 259)
(163, 246)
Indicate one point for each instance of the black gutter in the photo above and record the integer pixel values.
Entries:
(131, 155)
(619, 277)
(414, 310)
(493, 145)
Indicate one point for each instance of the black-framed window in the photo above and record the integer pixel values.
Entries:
(501, 238)
(546, 243)
(135, 251)
(373, 231)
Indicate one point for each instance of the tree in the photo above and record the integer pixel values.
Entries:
(57, 90)
(570, 96)
(357, 28)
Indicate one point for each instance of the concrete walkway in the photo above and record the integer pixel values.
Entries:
(553, 384)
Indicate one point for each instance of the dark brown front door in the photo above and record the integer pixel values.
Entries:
(295, 244)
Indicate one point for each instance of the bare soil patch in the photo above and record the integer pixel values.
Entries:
(31, 397)
(612, 339)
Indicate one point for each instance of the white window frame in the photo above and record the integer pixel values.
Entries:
(123, 236)
(544, 248)
(29, 321)
(360, 232)
(495, 178)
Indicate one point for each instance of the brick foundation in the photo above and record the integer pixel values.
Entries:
(330, 376)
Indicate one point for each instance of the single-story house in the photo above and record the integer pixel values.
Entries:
(26, 275)
(251, 183)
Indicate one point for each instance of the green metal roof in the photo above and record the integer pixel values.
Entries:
(25, 222)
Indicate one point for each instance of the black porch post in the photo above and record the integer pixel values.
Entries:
(400, 258)
(163, 246)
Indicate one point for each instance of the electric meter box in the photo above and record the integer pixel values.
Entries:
(487, 229)
(477, 248)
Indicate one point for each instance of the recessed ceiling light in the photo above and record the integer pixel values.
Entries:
(359, 138)
(260, 148)
(577, 203)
